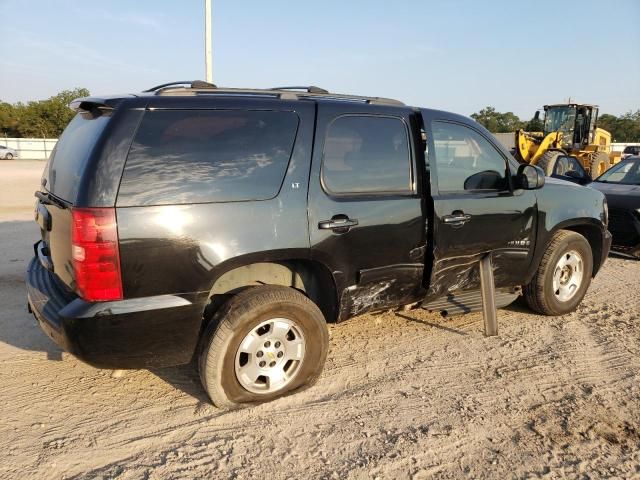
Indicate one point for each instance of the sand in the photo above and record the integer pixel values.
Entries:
(403, 394)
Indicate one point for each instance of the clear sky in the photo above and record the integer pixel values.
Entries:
(454, 55)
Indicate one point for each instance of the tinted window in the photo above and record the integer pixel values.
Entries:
(68, 158)
(366, 155)
(627, 172)
(207, 156)
(465, 160)
(568, 167)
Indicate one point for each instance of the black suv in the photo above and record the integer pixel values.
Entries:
(232, 224)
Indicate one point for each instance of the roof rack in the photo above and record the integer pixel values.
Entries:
(191, 83)
(309, 89)
(198, 87)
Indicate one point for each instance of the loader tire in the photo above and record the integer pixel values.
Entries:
(598, 164)
(548, 161)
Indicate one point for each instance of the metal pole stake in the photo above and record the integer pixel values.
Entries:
(487, 287)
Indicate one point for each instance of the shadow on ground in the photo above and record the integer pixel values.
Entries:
(18, 328)
(184, 378)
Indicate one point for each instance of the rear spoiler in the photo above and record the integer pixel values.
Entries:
(95, 104)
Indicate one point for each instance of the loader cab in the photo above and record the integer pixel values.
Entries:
(576, 122)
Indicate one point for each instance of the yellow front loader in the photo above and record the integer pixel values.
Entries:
(570, 129)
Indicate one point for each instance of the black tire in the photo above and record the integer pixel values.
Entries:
(539, 294)
(598, 164)
(236, 319)
(9, 156)
(548, 161)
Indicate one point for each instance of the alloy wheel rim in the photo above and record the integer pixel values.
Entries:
(568, 276)
(270, 356)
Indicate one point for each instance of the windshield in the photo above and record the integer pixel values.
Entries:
(559, 118)
(626, 172)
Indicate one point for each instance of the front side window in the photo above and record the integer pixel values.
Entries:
(566, 165)
(465, 160)
(191, 156)
(367, 155)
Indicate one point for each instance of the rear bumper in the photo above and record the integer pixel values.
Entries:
(145, 332)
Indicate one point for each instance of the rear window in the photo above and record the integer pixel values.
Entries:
(191, 156)
(69, 157)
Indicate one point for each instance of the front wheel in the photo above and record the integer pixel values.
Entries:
(563, 276)
(9, 156)
(264, 343)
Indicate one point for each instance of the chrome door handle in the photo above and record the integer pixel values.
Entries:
(338, 223)
(456, 219)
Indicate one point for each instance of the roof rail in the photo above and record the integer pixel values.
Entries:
(309, 89)
(198, 87)
(191, 83)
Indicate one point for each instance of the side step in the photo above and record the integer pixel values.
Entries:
(467, 301)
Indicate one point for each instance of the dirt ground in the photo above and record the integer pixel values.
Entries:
(403, 395)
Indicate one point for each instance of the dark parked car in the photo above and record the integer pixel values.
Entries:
(233, 224)
(631, 150)
(621, 186)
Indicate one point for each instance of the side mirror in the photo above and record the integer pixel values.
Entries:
(485, 180)
(529, 177)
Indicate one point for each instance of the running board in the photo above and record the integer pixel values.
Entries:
(467, 301)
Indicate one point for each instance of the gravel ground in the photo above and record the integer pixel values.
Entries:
(403, 395)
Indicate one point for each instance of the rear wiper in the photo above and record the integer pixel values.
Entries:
(47, 199)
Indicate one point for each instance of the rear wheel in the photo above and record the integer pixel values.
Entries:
(548, 161)
(599, 163)
(563, 276)
(264, 343)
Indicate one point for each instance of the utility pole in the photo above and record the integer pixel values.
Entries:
(208, 60)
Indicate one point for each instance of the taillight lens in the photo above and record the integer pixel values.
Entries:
(96, 260)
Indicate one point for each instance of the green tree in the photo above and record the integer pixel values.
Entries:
(43, 118)
(497, 122)
(8, 120)
(534, 125)
(625, 128)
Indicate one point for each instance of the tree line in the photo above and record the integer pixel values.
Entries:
(625, 128)
(48, 118)
(39, 119)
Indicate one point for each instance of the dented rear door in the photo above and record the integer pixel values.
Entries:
(366, 212)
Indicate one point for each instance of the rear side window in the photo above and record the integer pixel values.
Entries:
(196, 156)
(366, 155)
(69, 157)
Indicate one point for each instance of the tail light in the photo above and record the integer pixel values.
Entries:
(96, 260)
